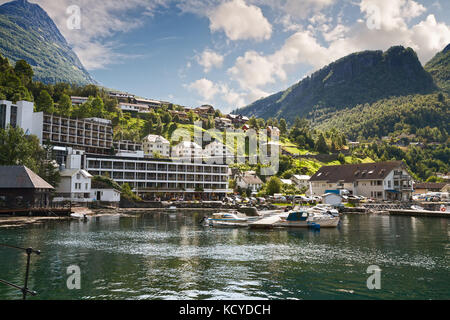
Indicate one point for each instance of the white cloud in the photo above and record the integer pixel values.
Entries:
(253, 71)
(209, 59)
(210, 92)
(205, 88)
(392, 14)
(240, 21)
(429, 36)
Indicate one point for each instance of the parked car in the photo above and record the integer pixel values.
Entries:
(261, 200)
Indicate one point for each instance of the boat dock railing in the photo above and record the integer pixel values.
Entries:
(25, 290)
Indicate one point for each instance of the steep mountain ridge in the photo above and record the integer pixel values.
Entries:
(359, 78)
(28, 33)
(439, 68)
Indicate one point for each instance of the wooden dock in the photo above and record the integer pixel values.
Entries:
(265, 223)
(59, 212)
(419, 213)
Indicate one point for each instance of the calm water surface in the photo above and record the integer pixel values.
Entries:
(154, 256)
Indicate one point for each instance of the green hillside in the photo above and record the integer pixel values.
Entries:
(28, 33)
(359, 78)
(439, 68)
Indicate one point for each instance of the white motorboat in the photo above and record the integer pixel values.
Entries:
(226, 219)
(307, 219)
(80, 216)
(324, 209)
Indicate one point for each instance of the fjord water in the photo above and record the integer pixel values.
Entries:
(155, 256)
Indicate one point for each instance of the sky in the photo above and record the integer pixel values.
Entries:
(229, 53)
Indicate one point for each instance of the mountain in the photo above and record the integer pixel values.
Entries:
(439, 68)
(359, 78)
(28, 33)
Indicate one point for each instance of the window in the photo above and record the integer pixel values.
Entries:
(2, 116)
(13, 117)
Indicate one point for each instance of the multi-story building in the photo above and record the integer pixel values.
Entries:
(223, 123)
(152, 104)
(121, 96)
(187, 150)
(21, 115)
(238, 119)
(383, 180)
(162, 178)
(75, 186)
(127, 146)
(273, 131)
(216, 152)
(76, 101)
(204, 111)
(301, 181)
(134, 107)
(93, 135)
(153, 144)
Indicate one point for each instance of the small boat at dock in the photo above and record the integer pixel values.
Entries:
(305, 219)
(227, 219)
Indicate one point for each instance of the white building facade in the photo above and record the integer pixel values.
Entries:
(382, 181)
(152, 178)
(154, 144)
(187, 151)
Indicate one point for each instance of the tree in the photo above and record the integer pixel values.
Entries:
(341, 158)
(65, 105)
(283, 126)
(97, 107)
(321, 144)
(16, 148)
(273, 186)
(45, 102)
(24, 71)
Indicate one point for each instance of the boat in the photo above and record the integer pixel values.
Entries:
(224, 224)
(80, 216)
(417, 208)
(226, 219)
(324, 209)
(172, 208)
(307, 219)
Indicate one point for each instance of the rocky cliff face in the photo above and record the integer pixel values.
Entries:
(359, 78)
(28, 33)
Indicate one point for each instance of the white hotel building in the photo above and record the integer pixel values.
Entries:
(153, 178)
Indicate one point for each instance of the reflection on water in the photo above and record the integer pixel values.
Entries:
(154, 256)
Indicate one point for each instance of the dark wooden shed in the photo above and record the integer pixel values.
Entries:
(22, 188)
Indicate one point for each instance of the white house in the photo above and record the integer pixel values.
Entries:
(252, 182)
(75, 185)
(286, 181)
(104, 194)
(187, 150)
(273, 131)
(216, 152)
(388, 180)
(301, 181)
(153, 144)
